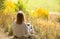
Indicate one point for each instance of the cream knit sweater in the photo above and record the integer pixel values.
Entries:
(20, 30)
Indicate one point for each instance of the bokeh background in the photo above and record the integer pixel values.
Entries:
(44, 15)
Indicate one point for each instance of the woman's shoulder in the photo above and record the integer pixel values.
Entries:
(24, 23)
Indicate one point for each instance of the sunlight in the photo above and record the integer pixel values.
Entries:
(29, 19)
(14, 1)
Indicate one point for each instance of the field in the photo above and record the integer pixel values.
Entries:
(44, 28)
(44, 15)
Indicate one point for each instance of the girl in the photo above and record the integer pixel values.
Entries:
(20, 28)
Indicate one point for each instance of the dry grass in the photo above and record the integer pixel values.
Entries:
(45, 29)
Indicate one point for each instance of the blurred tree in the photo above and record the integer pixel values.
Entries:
(22, 4)
(40, 12)
(2, 5)
(10, 7)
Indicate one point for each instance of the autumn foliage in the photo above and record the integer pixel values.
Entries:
(40, 12)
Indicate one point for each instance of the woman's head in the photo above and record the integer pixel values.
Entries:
(20, 17)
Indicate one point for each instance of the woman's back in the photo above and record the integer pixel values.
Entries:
(20, 30)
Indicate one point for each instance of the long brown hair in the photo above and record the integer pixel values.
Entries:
(20, 18)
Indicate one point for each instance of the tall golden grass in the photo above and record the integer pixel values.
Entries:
(45, 29)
